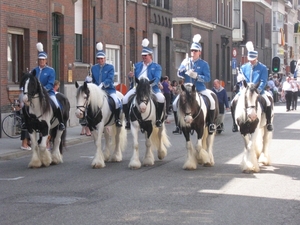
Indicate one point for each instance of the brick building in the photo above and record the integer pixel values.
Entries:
(69, 31)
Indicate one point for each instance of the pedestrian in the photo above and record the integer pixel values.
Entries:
(222, 99)
(56, 86)
(46, 75)
(167, 89)
(295, 91)
(196, 70)
(254, 71)
(25, 138)
(287, 89)
(103, 75)
(151, 70)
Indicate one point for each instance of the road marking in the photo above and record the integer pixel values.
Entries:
(16, 178)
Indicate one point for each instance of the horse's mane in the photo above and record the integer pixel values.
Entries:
(35, 87)
(94, 94)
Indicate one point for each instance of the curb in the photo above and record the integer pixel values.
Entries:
(21, 153)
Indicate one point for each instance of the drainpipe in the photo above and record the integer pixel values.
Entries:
(125, 33)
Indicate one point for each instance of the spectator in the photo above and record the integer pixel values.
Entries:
(223, 100)
(287, 90)
(25, 138)
(295, 90)
(167, 88)
(56, 86)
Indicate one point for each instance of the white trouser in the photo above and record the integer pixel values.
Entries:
(205, 92)
(116, 99)
(53, 97)
(159, 96)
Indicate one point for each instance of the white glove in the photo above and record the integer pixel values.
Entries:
(101, 86)
(183, 66)
(240, 77)
(88, 79)
(191, 73)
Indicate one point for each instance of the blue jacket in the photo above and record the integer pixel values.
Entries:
(260, 73)
(104, 74)
(222, 98)
(201, 67)
(47, 77)
(153, 72)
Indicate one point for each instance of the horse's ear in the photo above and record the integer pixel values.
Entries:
(136, 80)
(257, 84)
(244, 83)
(76, 84)
(85, 85)
(151, 81)
(193, 88)
(33, 72)
(182, 87)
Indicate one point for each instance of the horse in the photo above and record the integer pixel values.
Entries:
(192, 116)
(40, 118)
(142, 115)
(97, 106)
(251, 121)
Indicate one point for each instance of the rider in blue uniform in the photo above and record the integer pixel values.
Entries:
(103, 76)
(196, 71)
(151, 70)
(46, 76)
(254, 72)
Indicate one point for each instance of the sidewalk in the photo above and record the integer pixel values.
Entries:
(11, 148)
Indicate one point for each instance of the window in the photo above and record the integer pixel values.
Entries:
(78, 30)
(236, 14)
(278, 20)
(113, 57)
(15, 55)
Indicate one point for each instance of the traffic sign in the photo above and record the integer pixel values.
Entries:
(234, 52)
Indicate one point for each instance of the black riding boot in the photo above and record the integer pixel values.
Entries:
(177, 130)
(159, 111)
(126, 112)
(59, 116)
(268, 117)
(117, 117)
(211, 125)
(234, 126)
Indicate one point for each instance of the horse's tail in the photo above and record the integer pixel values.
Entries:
(160, 139)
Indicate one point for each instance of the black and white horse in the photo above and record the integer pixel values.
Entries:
(192, 116)
(41, 121)
(143, 117)
(96, 105)
(252, 123)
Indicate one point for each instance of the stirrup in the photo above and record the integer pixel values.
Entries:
(118, 123)
(235, 128)
(158, 123)
(177, 131)
(127, 126)
(61, 126)
(269, 127)
(211, 128)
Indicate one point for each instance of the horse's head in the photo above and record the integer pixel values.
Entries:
(143, 93)
(32, 88)
(251, 100)
(82, 99)
(189, 102)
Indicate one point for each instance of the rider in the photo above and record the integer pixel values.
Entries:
(46, 76)
(103, 76)
(151, 70)
(254, 72)
(196, 70)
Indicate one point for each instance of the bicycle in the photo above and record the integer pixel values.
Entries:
(12, 123)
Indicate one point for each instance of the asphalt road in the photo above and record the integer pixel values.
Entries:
(74, 193)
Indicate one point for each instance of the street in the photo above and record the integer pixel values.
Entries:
(74, 193)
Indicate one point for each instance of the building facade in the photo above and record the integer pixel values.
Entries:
(70, 30)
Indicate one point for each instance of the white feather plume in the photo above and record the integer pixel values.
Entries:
(99, 46)
(145, 42)
(249, 46)
(197, 38)
(40, 47)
